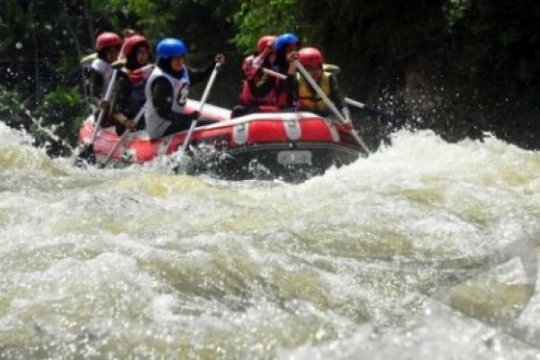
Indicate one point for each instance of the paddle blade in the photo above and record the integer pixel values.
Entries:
(85, 155)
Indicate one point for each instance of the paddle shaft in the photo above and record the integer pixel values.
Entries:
(369, 109)
(349, 101)
(329, 103)
(108, 95)
(201, 106)
(274, 73)
(358, 104)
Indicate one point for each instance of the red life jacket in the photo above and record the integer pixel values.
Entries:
(248, 98)
(277, 97)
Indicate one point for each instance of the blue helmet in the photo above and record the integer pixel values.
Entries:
(285, 39)
(170, 47)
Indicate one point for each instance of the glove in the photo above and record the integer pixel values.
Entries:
(220, 59)
(130, 124)
(293, 55)
(248, 67)
(104, 105)
(348, 124)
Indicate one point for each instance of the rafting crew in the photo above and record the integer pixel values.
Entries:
(129, 91)
(307, 98)
(271, 82)
(167, 89)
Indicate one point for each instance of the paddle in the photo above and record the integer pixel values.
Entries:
(201, 105)
(122, 138)
(87, 151)
(274, 73)
(394, 119)
(258, 62)
(329, 103)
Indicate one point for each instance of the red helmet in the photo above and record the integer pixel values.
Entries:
(265, 42)
(310, 57)
(131, 43)
(106, 40)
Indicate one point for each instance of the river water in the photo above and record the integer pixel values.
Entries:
(424, 250)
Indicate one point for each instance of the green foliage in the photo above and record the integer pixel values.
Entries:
(13, 26)
(59, 117)
(151, 16)
(63, 106)
(486, 51)
(12, 111)
(455, 11)
(261, 17)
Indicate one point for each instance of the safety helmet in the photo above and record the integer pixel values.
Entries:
(170, 47)
(106, 40)
(132, 42)
(310, 57)
(264, 42)
(283, 40)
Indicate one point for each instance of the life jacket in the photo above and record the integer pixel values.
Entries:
(248, 98)
(155, 124)
(137, 95)
(308, 99)
(252, 75)
(106, 71)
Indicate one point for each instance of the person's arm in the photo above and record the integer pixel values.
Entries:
(291, 59)
(121, 100)
(290, 87)
(162, 99)
(198, 75)
(337, 97)
(122, 90)
(201, 74)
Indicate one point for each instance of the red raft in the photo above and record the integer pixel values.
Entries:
(291, 146)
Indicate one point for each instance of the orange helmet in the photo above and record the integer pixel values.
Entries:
(132, 42)
(265, 42)
(310, 57)
(106, 40)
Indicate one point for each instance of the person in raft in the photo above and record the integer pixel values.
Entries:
(307, 98)
(167, 89)
(129, 94)
(286, 52)
(258, 92)
(100, 68)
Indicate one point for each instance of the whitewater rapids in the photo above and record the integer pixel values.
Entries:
(424, 250)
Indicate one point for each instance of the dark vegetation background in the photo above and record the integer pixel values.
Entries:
(458, 67)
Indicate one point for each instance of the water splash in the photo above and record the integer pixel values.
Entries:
(372, 259)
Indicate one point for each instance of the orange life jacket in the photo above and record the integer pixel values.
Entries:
(308, 99)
